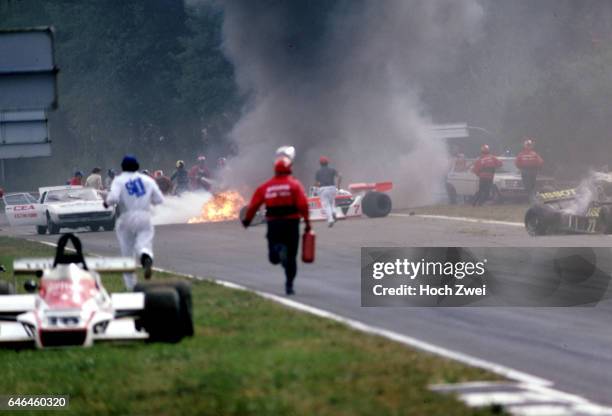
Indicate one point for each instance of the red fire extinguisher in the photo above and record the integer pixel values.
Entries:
(308, 247)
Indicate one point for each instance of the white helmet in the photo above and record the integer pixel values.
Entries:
(288, 151)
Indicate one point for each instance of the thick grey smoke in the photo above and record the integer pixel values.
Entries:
(343, 79)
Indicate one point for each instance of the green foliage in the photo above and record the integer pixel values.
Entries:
(142, 76)
(249, 357)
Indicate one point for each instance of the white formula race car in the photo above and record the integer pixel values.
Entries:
(69, 306)
(360, 198)
(59, 207)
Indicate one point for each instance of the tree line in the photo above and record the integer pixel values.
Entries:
(145, 77)
(149, 77)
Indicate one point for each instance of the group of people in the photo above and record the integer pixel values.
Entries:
(528, 161)
(198, 177)
(94, 179)
(283, 195)
(286, 204)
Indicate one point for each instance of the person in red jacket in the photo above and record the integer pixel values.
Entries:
(199, 175)
(163, 182)
(484, 168)
(286, 203)
(77, 179)
(529, 163)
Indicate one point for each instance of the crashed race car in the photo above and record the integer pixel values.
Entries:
(68, 305)
(360, 198)
(586, 209)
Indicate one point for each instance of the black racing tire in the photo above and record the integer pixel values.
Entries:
(94, 228)
(185, 301)
(41, 229)
(452, 194)
(605, 219)
(161, 315)
(539, 221)
(6, 288)
(376, 204)
(51, 226)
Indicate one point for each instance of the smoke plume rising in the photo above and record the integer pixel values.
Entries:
(342, 79)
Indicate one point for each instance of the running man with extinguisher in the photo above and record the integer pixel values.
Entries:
(286, 203)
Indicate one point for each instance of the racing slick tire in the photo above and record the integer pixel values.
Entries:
(605, 219)
(376, 204)
(539, 221)
(51, 226)
(41, 229)
(452, 194)
(6, 288)
(183, 289)
(161, 315)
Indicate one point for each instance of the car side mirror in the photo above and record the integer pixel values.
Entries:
(30, 286)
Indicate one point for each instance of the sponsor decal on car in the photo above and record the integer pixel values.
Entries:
(23, 208)
(593, 212)
(566, 193)
(26, 215)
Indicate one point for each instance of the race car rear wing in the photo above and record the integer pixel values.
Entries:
(374, 186)
(98, 264)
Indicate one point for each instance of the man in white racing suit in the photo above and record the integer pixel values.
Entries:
(135, 194)
(326, 181)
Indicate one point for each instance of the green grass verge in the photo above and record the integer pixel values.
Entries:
(250, 356)
(514, 213)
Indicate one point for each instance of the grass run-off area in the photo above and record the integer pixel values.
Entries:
(249, 356)
(501, 212)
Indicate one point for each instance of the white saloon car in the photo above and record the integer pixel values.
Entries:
(462, 184)
(59, 207)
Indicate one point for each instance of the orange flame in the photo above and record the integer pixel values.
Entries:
(223, 206)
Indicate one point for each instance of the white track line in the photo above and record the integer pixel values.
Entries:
(395, 336)
(522, 399)
(463, 219)
(534, 382)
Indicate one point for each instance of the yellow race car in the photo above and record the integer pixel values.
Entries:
(586, 209)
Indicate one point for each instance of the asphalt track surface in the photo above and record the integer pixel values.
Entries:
(570, 346)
